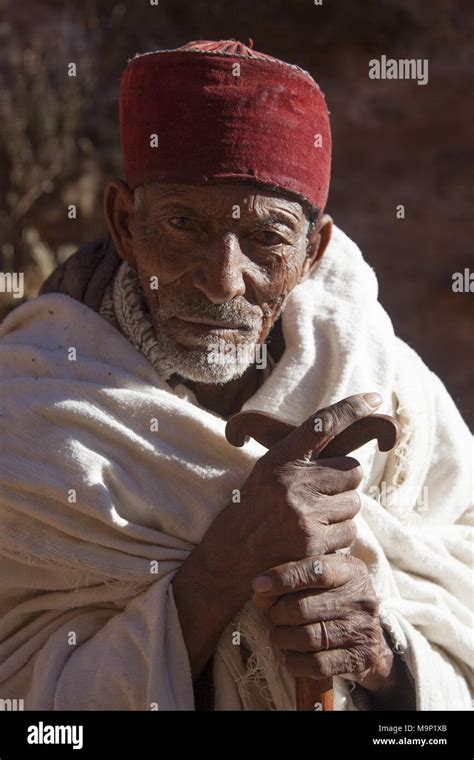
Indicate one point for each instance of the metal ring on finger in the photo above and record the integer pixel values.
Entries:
(324, 635)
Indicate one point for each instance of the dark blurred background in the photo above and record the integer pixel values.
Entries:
(395, 142)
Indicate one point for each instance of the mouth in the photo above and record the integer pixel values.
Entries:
(210, 324)
(195, 332)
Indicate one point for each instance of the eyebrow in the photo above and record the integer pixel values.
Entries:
(179, 206)
(277, 217)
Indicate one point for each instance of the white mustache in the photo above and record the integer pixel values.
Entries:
(240, 314)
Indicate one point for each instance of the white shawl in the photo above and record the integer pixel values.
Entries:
(98, 509)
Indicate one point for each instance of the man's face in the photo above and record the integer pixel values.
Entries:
(225, 256)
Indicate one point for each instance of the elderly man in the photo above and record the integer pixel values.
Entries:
(146, 563)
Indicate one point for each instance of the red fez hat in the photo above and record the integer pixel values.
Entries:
(213, 111)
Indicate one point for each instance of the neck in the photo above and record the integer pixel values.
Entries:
(226, 400)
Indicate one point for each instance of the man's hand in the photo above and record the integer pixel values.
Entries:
(289, 509)
(336, 590)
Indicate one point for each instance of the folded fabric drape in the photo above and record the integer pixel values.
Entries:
(109, 478)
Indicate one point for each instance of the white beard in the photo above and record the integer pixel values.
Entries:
(214, 361)
(213, 364)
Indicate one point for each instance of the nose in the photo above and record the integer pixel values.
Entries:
(220, 275)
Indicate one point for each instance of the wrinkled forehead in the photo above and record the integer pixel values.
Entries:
(222, 198)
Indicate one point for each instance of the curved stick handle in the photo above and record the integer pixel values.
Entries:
(265, 428)
(269, 430)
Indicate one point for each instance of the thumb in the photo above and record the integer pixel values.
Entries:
(316, 432)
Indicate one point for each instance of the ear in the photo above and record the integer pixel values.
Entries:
(119, 212)
(317, 243)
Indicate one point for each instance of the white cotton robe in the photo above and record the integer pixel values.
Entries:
(109, 478)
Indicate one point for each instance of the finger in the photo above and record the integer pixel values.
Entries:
(310, 638)
(342, 506)
(304, 608)
(321, 428)
(313, 606)
(263, 602)
(334, 476)
(319, 665)
(340, 535)
(324, 572)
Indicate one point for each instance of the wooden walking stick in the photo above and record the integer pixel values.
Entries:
(311, 693)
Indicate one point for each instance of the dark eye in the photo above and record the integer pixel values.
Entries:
(267, 237)
(181, 222)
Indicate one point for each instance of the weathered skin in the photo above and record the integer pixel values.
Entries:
(217, 256)
(290, 514)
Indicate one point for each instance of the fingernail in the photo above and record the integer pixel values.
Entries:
(373, 399)
(262, 583)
